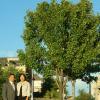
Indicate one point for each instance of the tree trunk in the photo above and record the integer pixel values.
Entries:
(73, 89)
(61, 82)
(62, 88)
(61, 94)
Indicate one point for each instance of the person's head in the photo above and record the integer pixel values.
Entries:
(22, 77)
(11, 77)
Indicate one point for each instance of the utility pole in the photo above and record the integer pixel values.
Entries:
(90, 88)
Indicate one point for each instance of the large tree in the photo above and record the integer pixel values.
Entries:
(61, 38)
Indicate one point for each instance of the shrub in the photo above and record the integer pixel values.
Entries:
(50, 89)
(84, 96)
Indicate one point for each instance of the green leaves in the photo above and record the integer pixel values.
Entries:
(61, 35)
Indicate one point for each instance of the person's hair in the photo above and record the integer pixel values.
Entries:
(22, 74)
(10, 74)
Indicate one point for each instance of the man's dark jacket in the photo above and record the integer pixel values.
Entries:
(8, 93)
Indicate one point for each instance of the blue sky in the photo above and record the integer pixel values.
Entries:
(12, 14)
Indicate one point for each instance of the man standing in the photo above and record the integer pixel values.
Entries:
(9, 88)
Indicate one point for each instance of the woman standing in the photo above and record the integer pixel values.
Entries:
(23, 88)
